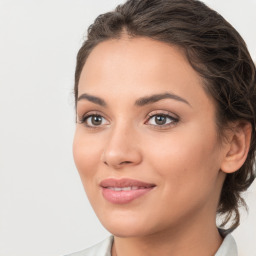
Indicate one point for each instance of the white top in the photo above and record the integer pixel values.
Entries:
(227, 248)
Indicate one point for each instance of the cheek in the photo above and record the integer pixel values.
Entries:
(186, 159)
(188, 173)
(86, 152)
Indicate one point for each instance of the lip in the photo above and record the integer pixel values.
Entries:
(123, 191)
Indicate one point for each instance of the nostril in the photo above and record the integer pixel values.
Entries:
(126, 162)
(118, 165)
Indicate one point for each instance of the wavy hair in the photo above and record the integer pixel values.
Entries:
(214, 49)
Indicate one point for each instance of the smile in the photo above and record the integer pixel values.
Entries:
(125, 190)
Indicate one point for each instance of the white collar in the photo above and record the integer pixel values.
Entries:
(227, 248)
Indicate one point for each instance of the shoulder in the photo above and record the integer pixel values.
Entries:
(228, 247)
(101, 249)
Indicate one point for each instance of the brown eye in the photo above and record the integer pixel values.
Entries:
(163, 120)
(96, 120)
(93, 121)
(160, 120)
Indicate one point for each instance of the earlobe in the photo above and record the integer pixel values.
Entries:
(238, 145)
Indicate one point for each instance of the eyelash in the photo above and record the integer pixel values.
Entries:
(84, 118)
(174, 120)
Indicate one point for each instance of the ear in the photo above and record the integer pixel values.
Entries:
(237, 147)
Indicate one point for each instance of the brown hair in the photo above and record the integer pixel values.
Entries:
(213, 48)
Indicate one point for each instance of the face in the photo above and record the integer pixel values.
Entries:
(146, 144)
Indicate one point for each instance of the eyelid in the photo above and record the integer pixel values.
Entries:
(175, 119)
(170, 115)
(82, 119)
(164, 113)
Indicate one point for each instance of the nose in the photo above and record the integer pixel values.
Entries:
(122, 149)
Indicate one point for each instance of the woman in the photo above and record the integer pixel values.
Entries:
(165, 139)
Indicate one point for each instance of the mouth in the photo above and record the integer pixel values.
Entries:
(123, 191)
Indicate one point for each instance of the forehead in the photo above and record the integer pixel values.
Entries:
(139, 66)
(139, 55)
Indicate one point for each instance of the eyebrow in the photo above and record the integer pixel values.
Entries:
(157, 97)
(92, 99)
(139, 102)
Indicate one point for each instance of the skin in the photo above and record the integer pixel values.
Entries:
(183, 158)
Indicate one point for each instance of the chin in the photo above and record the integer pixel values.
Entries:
(124, 226)
(126, 231)
(129, 226)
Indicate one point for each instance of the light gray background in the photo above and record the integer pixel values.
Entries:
(43, 208)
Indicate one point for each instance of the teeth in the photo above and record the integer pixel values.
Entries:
(124, 188)
(117, 189)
